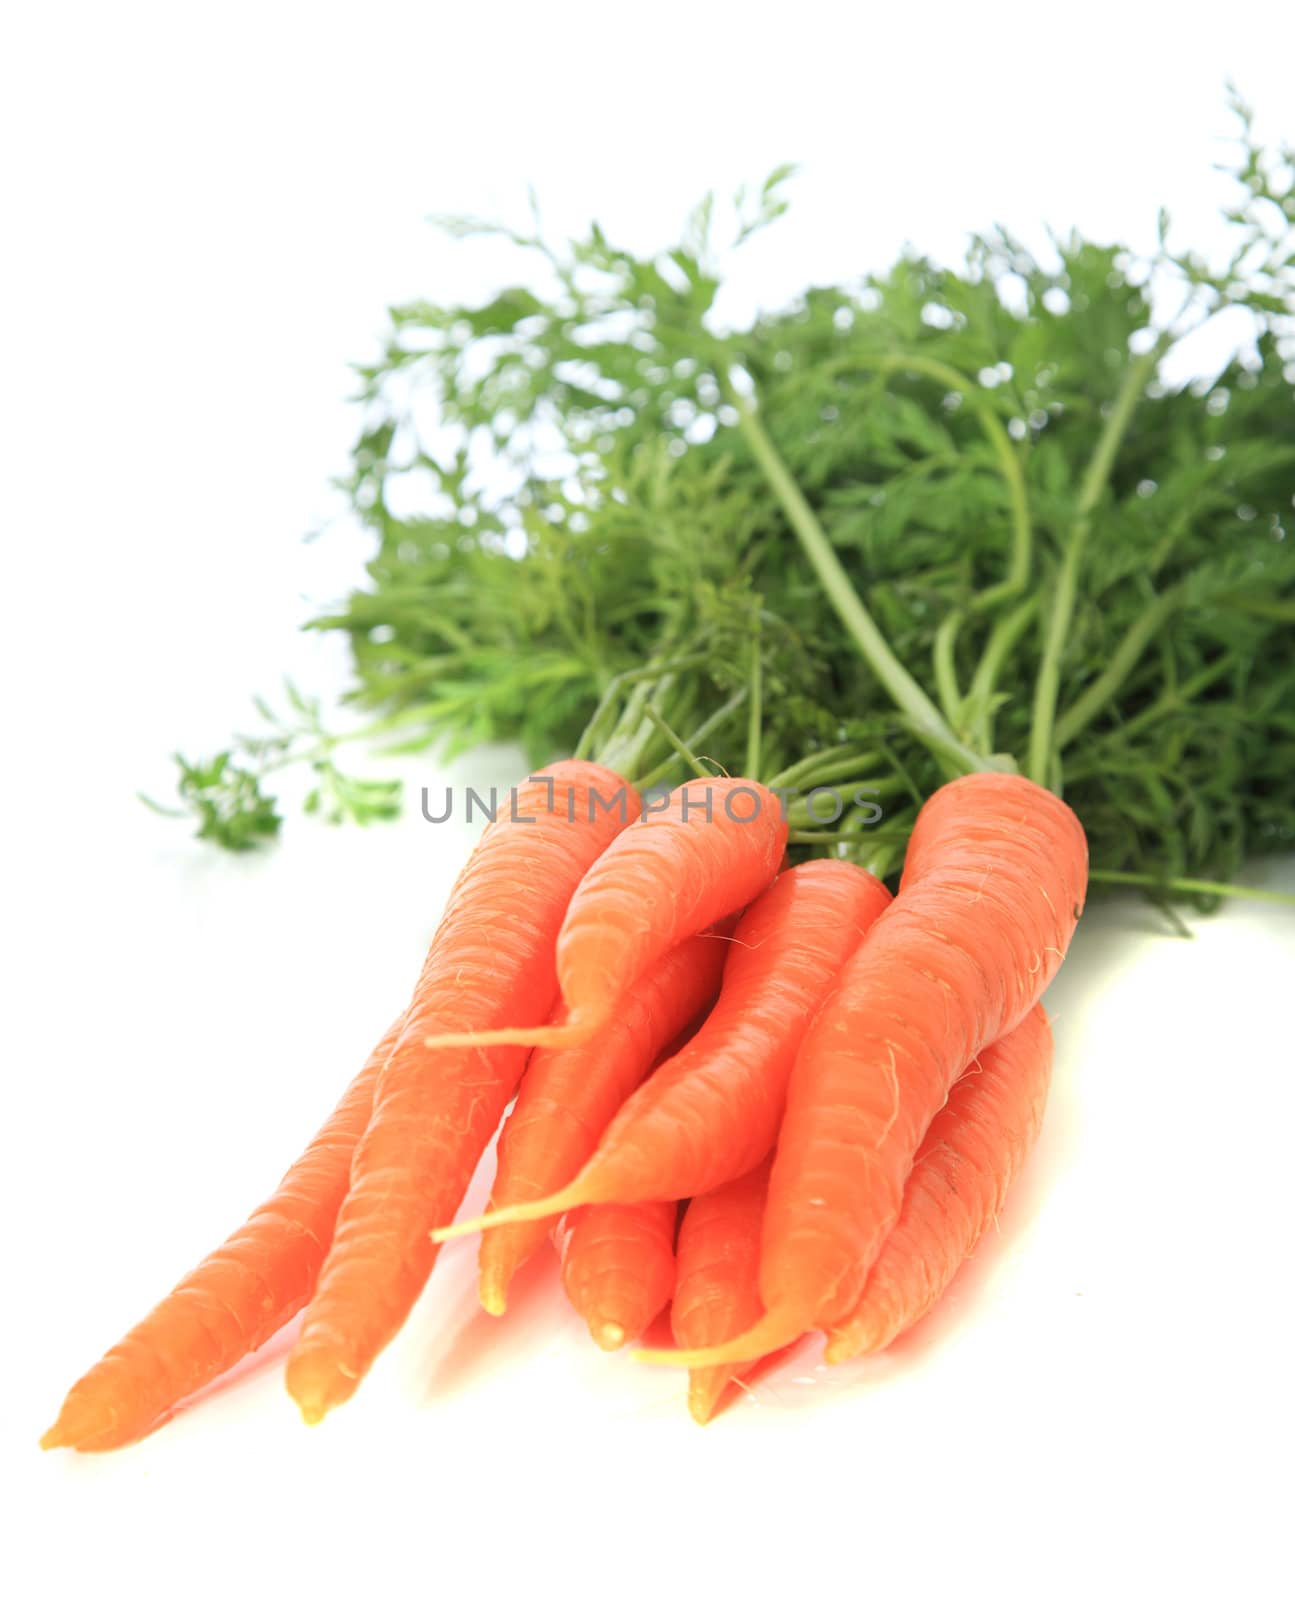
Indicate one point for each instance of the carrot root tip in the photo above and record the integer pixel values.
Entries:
(608, 1335)
(317, 1387)
(702, 1403)
(494, 1299)
(80, 1424)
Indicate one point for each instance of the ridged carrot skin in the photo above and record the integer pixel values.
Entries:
(711, 1112)
(490, 965)
(568, 1097)
(708, 851)
(618, 1267)
(717, 1293)
(993, 884)
(971, 1153)
(233, 1301)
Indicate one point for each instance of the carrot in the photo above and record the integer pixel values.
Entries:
(711, 1113)
(972, 1151)
(993, 885)
(618, 1267)
(711, 847)
(716, 1291)
(568, 1096)
(234, 1300)
(490, 965)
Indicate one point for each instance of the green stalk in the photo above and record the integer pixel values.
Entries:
(946, 668)
(683, 750)
(1002, 640)
(902, 687)
(755, 717)
(635, 728)
(1095, 479)
(613, 690)
(1176, 699)
(1233, 891)
(1125, 657)
(848, 767)
(833, 760)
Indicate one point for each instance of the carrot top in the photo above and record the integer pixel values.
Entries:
(955, 517)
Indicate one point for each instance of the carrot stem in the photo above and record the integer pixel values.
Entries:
(1048, 684)
(1006, 631)
(895, 678)
(702, 731)
(1124, 658)
(681, 749)
(755, 712)
(1234, 891)
(946, 669)
(825, 766)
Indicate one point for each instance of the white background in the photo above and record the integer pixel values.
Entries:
(206, 211)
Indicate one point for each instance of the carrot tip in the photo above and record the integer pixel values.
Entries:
(702, 1403)
(494, 1299)
(609, 1335)
(55, 1437)
(317, 1386)
(857, 1337)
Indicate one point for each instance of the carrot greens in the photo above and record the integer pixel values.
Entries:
(962, 517)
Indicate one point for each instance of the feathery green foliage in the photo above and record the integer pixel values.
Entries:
(576, 495)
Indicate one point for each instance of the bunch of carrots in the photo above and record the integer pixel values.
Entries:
(839, 1084)
(753, 1085)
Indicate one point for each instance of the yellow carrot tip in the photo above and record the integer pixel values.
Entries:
(608, 1335)
(702, 1399)
(78, 1424)
(854, 1338)
(317, 1385)
(576, 1030)
(493, 1296)
(574, 1194)
(778, 1327)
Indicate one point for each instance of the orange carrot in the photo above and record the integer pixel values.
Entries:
(972, 1151)
(231, 1304)
(992, 888)
(717, 1291)
(568, 1096)
(618, 1267)
(711, 1113)
(490, 965)
(712, 846)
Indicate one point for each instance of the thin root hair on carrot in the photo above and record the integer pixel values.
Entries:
(553, 1036)
(778, 1327)
(564, 1199)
